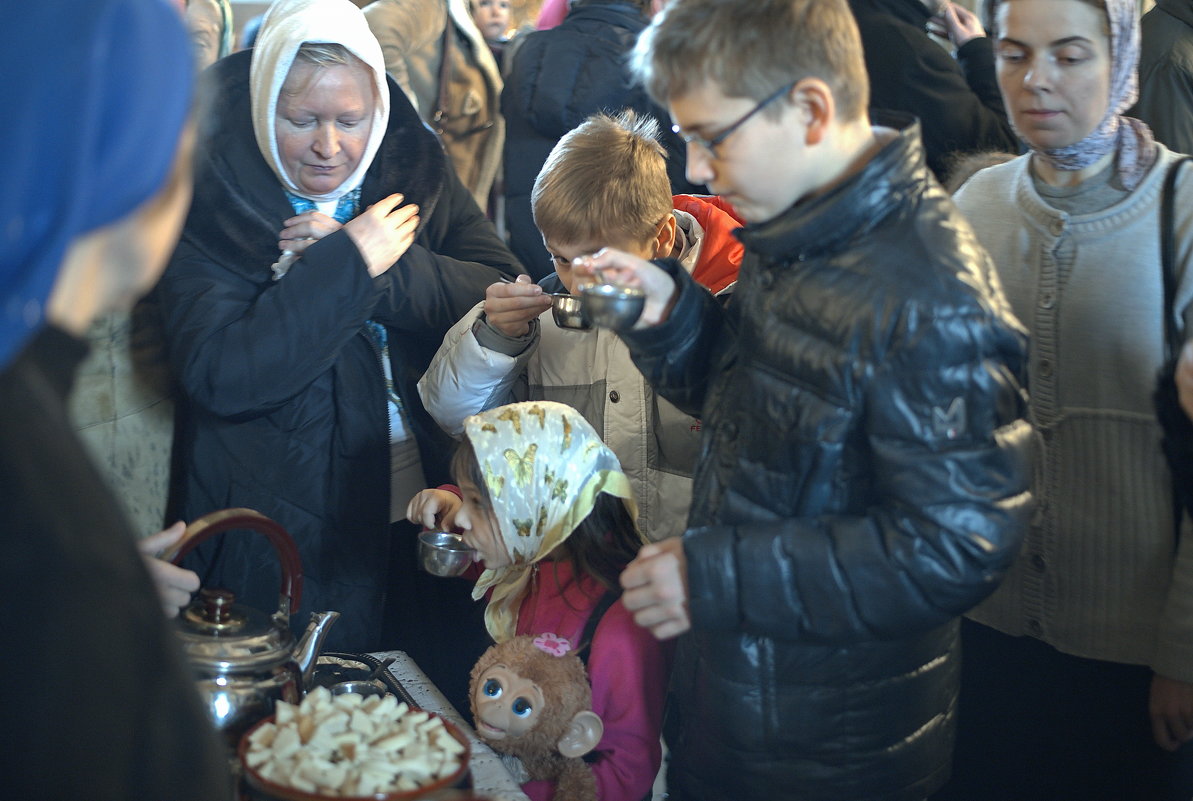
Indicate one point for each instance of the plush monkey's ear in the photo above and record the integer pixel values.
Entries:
(582, 735)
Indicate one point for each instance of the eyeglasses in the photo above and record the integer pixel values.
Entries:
(711, 144)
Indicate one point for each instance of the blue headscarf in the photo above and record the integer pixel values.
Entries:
(96, 95)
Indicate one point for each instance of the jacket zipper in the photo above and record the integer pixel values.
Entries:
(389, 435)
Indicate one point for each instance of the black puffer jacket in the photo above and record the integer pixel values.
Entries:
(287, 401)
(864, 481)
(559, 78)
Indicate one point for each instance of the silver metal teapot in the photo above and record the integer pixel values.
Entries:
(246, 660)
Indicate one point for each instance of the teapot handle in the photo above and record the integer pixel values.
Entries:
(214, 523)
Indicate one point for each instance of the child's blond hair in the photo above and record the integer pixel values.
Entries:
(604, 182)
(751, 49)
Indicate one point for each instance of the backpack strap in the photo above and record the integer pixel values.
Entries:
(1172, 336)
(1173, 341)
(590, 626)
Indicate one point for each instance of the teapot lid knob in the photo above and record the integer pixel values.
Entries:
(214, 610)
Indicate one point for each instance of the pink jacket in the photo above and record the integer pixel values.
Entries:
(628, 669)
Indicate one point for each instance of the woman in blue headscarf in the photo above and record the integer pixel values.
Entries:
(1077, 679)
(97, 700)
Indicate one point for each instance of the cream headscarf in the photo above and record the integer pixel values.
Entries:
(543, 466)
(287, 25)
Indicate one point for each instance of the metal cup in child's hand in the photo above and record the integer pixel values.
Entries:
(611, 306)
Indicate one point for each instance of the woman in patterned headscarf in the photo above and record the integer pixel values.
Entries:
(551, 516)
(1078, 672)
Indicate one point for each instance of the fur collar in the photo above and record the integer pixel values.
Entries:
(239, 205)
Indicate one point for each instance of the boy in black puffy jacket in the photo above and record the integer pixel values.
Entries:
(865, 473)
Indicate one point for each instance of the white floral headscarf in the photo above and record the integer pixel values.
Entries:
(543, 467)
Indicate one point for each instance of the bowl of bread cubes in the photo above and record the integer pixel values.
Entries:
(353, 748)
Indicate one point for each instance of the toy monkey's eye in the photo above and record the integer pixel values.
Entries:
(492, 688)
(522, 708)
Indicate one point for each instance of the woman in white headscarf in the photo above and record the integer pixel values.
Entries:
(327, 251)
(1077, 680)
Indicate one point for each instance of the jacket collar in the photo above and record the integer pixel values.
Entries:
(609, 10)
(913, 12)
(616, 13)
(1181, 9)
(823, 224)
(239, 204)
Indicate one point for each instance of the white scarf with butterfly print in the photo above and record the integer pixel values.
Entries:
(543, 466)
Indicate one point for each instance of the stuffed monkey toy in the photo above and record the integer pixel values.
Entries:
(531, 698)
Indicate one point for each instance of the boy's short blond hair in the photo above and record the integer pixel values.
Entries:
(604, 182)
(751, 48)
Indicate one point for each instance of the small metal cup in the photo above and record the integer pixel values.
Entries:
(442, 553)
(567, 313)
(362, 687)
(612, 306)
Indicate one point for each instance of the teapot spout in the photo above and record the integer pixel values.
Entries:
(306, 652)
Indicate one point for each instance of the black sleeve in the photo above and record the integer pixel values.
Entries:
(446, 271)
(678, 355)
(957, 101)
(948, 512)
(244, 345)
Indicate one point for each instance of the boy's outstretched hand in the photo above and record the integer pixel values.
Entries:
(616, 267)
(656, 588)
(509, 307)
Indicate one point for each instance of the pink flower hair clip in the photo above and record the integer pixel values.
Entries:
(552, 644)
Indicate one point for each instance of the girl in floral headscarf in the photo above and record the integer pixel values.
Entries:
(550, 514)
(1082, 662)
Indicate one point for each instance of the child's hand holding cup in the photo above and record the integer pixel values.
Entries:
(434, 509)
(511, 305)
